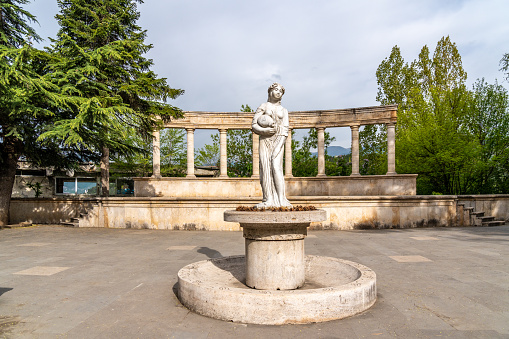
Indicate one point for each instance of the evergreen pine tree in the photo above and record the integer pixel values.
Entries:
(14, 29)
(29, 102)
(99, 56)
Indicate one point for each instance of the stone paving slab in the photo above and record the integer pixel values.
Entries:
(120, 283)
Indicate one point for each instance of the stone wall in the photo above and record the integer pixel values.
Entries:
(21, 189)
(48, 210)
(496, 205)
(367, 185)
(343, 213)
(207, 214)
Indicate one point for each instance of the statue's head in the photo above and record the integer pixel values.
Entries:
(275, 86)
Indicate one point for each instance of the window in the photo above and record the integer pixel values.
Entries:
(86, 186)
(122, 187)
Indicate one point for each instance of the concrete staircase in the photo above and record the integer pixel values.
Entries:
(468, 216)
(74, 222)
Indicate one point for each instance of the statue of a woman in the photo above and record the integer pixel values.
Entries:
(271, 123)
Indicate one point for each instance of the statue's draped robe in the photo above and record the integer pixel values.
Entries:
(271, 156)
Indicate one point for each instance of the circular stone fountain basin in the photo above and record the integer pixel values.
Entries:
(333, 289)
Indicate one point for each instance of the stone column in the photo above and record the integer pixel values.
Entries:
(190, 153)
(156, 155)
(256, 156)
(223, 172)
(288, 155)
(321, 151)
(355, 150)
(391, 149)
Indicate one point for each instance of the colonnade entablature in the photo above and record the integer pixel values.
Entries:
(298, 119)
(319, 119)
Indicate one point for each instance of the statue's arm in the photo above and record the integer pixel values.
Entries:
(264, 131)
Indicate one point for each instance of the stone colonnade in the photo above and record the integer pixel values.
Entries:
(373, 115)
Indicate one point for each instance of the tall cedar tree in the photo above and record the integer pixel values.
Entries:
(99, 56)
(28, 100)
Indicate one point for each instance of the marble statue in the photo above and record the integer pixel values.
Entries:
(271, 123)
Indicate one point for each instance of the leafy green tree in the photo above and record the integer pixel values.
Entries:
(173, 152)
(99, 56)
(240, 150)
(340, 165)
(504, 63)
(433, 105)
(208, 155)
(305, 163)
(373, 150)
(488, 123)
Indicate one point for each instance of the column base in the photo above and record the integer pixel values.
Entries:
(355, 175)
(391, 173)
(191, 176)
(321, 175)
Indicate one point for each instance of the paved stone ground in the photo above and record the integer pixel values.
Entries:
(119, 283)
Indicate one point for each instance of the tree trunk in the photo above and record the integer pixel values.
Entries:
(105, 172)
(7, 176)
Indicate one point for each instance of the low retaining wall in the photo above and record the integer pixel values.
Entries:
(496, 205)
(366, 185)
(343, 213)
(48, 210)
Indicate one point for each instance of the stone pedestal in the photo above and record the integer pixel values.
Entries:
(275, 246)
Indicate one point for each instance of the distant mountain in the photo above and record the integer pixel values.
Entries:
(335, 151)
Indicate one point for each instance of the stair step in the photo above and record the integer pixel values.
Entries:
(494, 223)
(487, 218)
(478, 213)
(468, 208)
(70, 224)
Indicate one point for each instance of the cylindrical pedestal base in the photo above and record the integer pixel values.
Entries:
(275, 265)
(275, 255)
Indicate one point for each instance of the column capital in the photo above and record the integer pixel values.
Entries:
(190, 129)
(354, 127)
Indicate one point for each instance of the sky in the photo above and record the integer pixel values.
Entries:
(226, 53)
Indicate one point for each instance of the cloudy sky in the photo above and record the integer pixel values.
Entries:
(225, 53)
